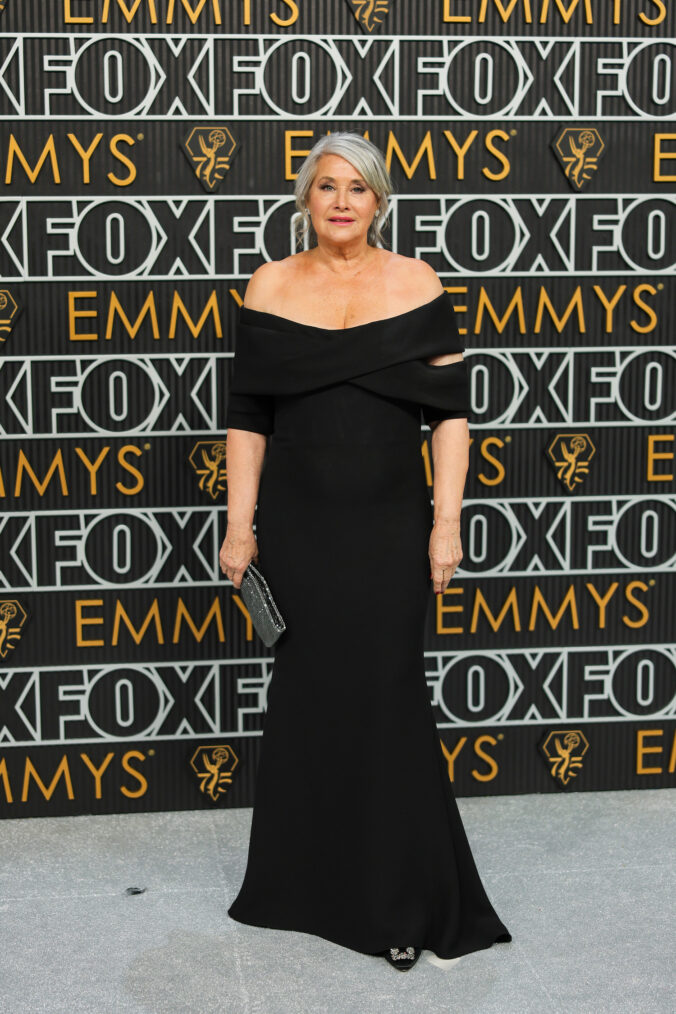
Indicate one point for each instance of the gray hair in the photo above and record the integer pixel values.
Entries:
(367, 159)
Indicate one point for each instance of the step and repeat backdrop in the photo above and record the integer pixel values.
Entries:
(147, 154)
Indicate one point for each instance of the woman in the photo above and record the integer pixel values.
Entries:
(356, 835)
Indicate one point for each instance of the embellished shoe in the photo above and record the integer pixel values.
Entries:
(402, 958)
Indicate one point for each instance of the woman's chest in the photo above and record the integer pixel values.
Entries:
(337, 306)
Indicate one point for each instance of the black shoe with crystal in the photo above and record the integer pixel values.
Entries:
(402, 958)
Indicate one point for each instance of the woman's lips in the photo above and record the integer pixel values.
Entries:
(341, 221)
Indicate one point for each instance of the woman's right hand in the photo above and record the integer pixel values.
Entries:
(238, 549)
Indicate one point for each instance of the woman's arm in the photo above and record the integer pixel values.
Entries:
(450, 456)
(244, 461)
(249, 421)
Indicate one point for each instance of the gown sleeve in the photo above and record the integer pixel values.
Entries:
(434, 415)
(453, 377)
(254, 412)
(456, 388)
(247, 409)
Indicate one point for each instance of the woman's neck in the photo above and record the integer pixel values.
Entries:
(345, 259)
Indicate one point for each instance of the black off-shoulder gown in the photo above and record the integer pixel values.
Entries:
(356, 835)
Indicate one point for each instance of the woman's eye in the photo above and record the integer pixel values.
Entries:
(326, 186)
(359, 190)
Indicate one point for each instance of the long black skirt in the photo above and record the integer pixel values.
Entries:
(356, 835)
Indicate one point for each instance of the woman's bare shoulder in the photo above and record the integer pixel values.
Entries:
(268, 282)
(415, 277)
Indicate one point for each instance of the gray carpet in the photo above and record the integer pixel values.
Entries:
(584, 881)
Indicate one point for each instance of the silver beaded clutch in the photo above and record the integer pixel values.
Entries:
(262, 608)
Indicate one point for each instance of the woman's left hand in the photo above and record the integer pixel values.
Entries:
(445, 553)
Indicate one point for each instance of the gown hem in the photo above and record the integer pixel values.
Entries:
(468, 947)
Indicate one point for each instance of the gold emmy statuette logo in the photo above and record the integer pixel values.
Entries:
(3, 4)
(213, 766)
(12, 619)
(210, 150)
(8, 312)
(564, 751)
(579, 150)
(571, 454)
(370, 14)
(208, 460)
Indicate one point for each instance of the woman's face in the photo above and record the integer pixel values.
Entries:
(340, 202)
